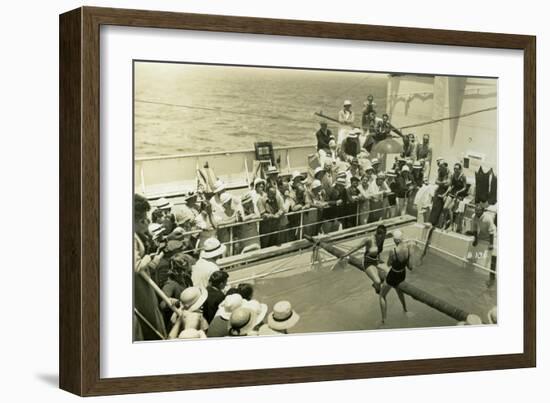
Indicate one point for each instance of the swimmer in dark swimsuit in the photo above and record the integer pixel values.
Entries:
(371, 257)
(398, 262)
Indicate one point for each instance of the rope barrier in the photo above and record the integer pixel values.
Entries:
(204, 108)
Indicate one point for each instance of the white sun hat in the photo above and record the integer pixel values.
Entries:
(212, 248)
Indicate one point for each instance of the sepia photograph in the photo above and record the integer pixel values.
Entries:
(271, 201)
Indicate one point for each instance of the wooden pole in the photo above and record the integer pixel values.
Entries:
(412, 291)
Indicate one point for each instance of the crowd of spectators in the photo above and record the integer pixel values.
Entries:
(177, 245)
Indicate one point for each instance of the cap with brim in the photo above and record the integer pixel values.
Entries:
(283, 316)
(375, 161)
(257, 181)
(229, 304)
(397, 235)
(212, 248)
(219, 186)
(353, 134)
(297, 175)
(316, 184)
(193, 298)
(226, 198)
(347, 102)
(243, 320)
(417, 165)
(246, 198)
(182, 217)
(318, 170)
(156, 230)
(260, 310)
(272, 170)
(381, 175)
(163, 204)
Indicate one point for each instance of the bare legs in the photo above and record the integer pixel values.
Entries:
(384, 304)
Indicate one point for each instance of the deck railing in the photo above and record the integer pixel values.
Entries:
(388, 211)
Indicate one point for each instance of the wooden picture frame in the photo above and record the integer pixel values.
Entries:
(79, 346)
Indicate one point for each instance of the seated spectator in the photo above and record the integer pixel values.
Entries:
(246, 291)
(219, 327)
(206, 265)
(350, 147)
(280, 320)
(217, 283)
(323, 135)
(190, 315)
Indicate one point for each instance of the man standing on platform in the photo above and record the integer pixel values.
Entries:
(346, 119)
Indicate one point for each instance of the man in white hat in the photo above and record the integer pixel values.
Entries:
(346, 119)
(206, 265)
(350, 147)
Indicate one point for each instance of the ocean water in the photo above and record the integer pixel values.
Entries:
(184, 108)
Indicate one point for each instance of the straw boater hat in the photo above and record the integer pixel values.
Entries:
(283, 316)
(212, 248)
(182, 217)
(156, 230)
(296, 175)
(375, 161)
(347, 102)
(316, 184)
(229, 304)
(246, 198)
(417, 165)
(226, 198)
(163, 204)
(243, 320)
(219, 186)
(257, 181)
(260, 310)
(318, 170)
(193, 298)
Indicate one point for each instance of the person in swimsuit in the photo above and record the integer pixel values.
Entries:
(371, 258)
(398, 262)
